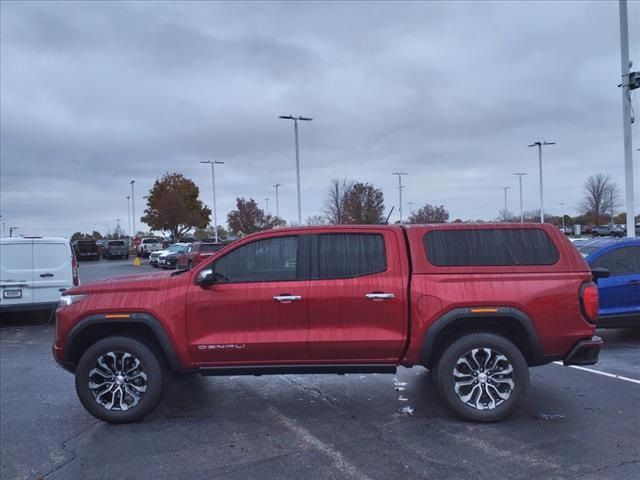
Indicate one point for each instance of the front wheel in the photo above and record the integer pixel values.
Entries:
(482, 377)
(120, 379)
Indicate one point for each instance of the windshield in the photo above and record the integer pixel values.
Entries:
(150, 240)
(175, 248)
(116, 243)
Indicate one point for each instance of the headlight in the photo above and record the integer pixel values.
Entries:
(66, 300)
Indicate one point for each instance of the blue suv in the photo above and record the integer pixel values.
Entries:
(620, 293)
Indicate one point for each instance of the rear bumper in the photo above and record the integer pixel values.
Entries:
(585, 352)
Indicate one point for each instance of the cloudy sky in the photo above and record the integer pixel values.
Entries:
(94, 95)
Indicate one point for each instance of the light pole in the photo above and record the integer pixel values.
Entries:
(520, 175)
(276, 186)
(266, 200)
(128, 215)
(626, 117)
(400, 187)
(295, 128)
(133, 208)
(213, 182)
(539, 145)
(118, 227)
(562, 204)
(505, 202)
(410, 207)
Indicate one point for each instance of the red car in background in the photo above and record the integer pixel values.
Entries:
(196, 252)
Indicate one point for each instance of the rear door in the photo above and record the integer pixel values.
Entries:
(620, 293)
(356, 297)
(16, 273)
(52, 270)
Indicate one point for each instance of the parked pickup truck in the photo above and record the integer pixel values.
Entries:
(475, 304)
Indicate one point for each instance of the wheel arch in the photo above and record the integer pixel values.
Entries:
(138, 325)
(509, 322)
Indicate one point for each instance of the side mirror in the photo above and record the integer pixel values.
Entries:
(206, 277)
(599, 272)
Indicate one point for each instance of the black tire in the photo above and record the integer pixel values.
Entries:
(151, 362)
(445, 381)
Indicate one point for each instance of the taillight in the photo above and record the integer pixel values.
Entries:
(589, 301)
(74, 267)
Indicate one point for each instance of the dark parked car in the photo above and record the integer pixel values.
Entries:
(197, 252)
(620, 292)
(115, 249)
(86, 250)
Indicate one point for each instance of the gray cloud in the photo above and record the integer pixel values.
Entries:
(94, 94)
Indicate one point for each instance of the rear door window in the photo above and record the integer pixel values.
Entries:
(346, 255)
(50, 256)
(489, 247)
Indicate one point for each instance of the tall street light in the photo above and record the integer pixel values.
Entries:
(627, 86)
(505, 201)
(295, 128)
(400, 187)
(562, 204)
(520, 175)
(129, 214)
(276, 186)
(266, 200)
(213, 182)
(540, 145)
(133, 208)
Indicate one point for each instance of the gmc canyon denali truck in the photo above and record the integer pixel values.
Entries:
(476, 304)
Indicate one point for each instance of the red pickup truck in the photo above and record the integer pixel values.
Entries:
(476, 304)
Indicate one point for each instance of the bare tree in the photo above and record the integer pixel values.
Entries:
(316, 220)
(601, 197)
(335, 202)
(430, 214)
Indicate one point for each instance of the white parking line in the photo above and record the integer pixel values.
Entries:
(619, 377)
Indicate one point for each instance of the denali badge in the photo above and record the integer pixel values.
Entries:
(222, 346)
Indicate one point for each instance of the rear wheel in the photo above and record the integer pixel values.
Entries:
(120, 379)
(482, 377)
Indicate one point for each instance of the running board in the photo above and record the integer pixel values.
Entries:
(296, 369)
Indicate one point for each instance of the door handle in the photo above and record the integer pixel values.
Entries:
(379, 296)
(45, 275)
(287, 298)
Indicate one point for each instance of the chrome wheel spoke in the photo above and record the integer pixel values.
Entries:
(483, 378)
(118, 381)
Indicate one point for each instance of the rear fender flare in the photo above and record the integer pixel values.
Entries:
(448, 318)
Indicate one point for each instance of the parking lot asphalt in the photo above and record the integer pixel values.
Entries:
(575, 424)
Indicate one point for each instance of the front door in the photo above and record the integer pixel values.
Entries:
(256, 311)
(357, 297)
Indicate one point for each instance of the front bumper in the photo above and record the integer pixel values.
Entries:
(585, 352)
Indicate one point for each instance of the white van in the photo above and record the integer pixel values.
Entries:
(34, 271)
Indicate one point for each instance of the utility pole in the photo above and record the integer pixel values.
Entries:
(627, 85)
(505, 201)
(133, 208)
(562, 204)
(540, 145)
(118, 227)
(400, 187)
(520, 175)
(410, 207)
(276, 186)
(267, 202)
(129, 216)
(215, 209)
(295, 129)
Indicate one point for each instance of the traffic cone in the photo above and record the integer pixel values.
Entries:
(137, 262)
